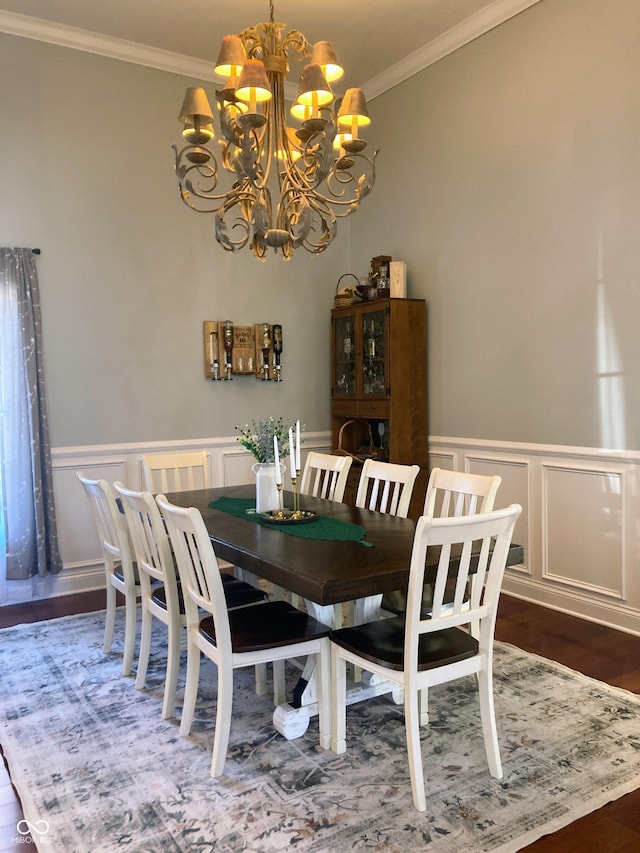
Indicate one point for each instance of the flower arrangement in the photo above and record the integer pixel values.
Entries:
(258, 438)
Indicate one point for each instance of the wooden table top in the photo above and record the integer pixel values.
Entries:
(326, 572)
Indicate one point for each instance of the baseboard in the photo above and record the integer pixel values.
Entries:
(621, 619)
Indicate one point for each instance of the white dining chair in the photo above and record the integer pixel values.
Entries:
(450, 494)
(120, 570)
(180, 472)
(325, 475)
(161, 592)
(175, 472)
(384, 487)
(159, 587)
(417, 653)
(273, 631)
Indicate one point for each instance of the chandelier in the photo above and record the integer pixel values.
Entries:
(289, 184)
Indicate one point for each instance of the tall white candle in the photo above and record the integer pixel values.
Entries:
(276, 459)
(211, 347)
(298, 445)
(292, 454)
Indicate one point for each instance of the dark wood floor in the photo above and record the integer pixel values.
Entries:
(599, 652)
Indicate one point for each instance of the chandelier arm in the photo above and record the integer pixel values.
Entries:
(364, 183)
(207, 171)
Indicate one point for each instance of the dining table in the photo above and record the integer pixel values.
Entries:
(337, 553)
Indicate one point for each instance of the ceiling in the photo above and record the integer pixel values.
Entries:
(379, 42)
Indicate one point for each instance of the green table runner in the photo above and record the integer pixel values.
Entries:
(320, 528)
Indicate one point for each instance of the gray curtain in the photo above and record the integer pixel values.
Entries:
(27, 517)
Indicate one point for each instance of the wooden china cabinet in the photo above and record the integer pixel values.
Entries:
(379, 387)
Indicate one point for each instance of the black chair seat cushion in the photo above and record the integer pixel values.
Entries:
(237, 593)
(269, 625)
(382, 642)
(119, 573)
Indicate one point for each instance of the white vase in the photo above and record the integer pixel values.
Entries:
(267, 497)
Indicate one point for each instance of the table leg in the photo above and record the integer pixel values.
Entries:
(291, 719)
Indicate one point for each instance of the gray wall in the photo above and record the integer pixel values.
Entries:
(510, 173)
(508, 180)
(127, 273)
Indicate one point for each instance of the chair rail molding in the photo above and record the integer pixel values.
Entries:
(579, 525)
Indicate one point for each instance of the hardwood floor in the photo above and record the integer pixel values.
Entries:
(602, 653)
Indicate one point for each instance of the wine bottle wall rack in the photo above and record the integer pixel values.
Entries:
(231, 350)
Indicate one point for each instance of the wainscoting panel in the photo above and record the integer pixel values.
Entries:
(580, 525)
(448, 461)
(583, 528)
(76, 528)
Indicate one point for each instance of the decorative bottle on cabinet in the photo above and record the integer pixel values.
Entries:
(379, 387)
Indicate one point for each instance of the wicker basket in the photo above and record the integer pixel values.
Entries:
(344, 299)
(356, 433)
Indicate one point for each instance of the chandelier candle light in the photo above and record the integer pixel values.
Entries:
(290, 185)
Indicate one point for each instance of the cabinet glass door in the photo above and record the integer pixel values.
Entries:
(344, 379)
(374, 379)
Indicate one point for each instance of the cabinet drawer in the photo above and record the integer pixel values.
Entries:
(345, 408)
(374, 409)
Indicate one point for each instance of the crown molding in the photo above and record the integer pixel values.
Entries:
(126, 51)
(74, 38)
(469, 30)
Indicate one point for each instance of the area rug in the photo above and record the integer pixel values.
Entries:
(97, 769)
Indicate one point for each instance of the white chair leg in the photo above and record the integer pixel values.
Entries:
(279, 690)
(145, 648)
(412, 726)
(364, 610)
(323, 687)
(423, 697)
(130, 620)
(488, 717)
(223, 720)
(261, 679)
(110, 618)
(190, 689)
(338, 702)
(171, 678)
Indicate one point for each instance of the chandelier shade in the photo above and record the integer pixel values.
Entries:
(253, 83)
(196, 106)
(289, 184)
(324, 55)
(313, 89)
(231, 58)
